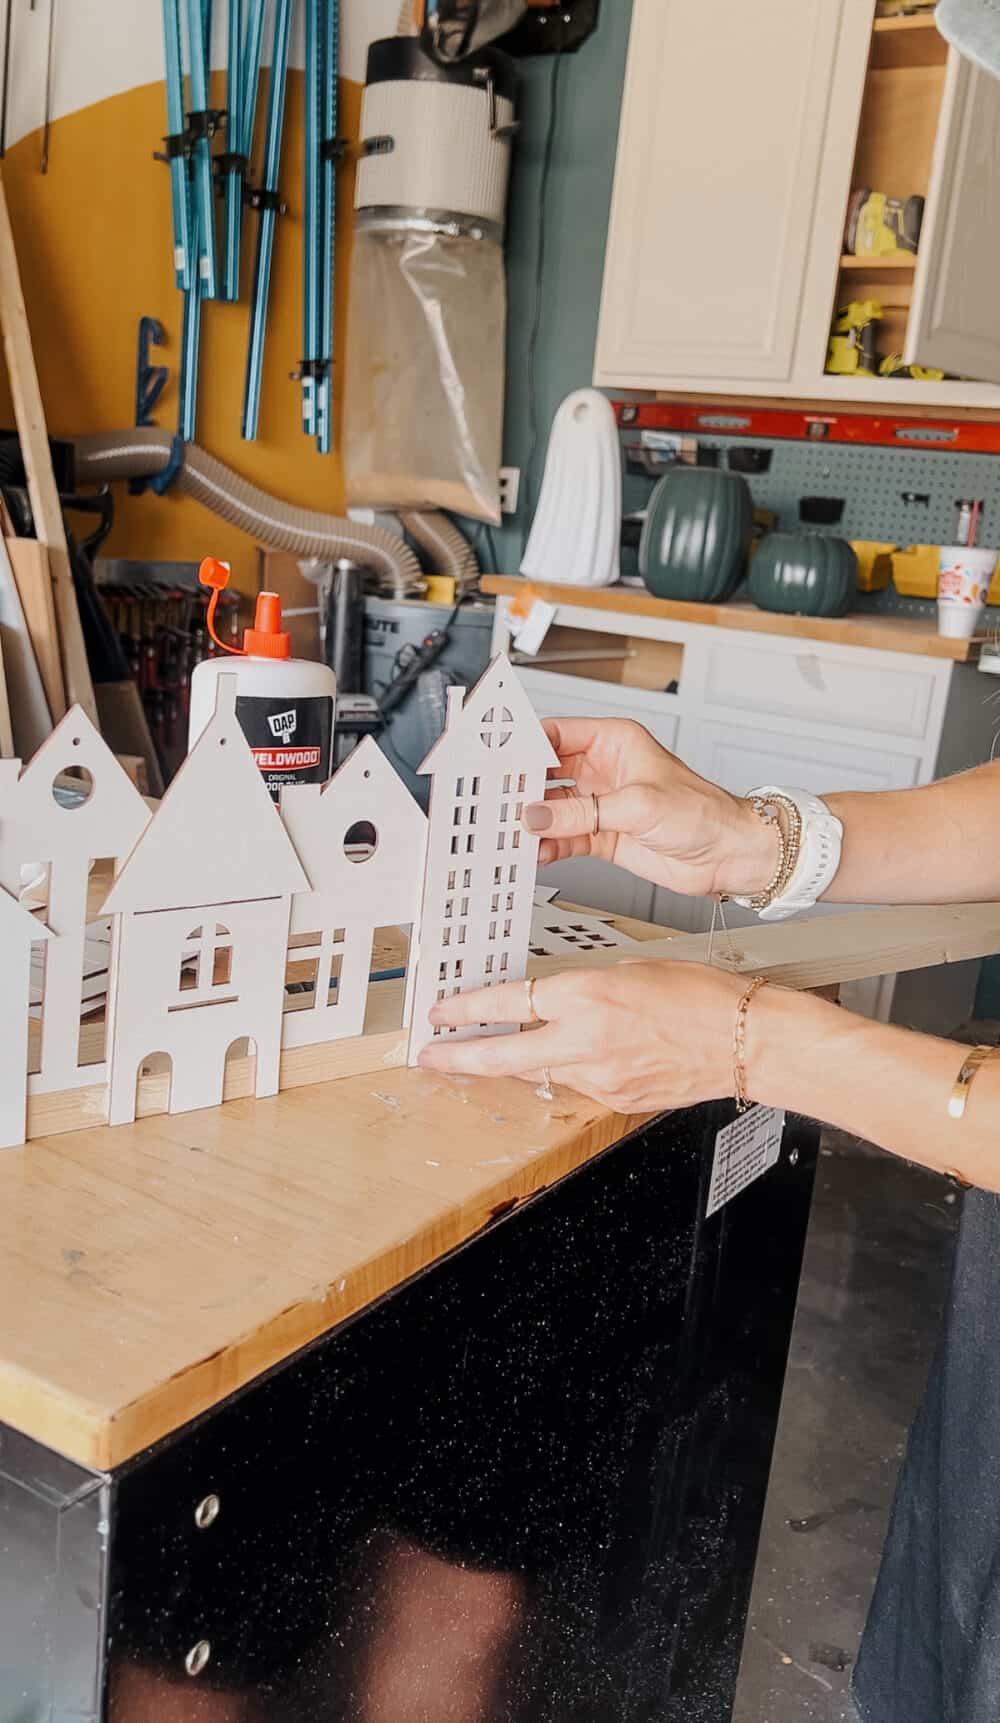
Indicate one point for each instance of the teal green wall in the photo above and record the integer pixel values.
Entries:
(588, 100)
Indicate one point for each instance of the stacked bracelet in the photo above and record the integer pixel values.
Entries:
(770, 809)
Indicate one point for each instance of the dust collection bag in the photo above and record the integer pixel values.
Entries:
(424, 376)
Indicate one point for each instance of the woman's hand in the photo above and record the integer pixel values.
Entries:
(658, 819)
(637, 1037)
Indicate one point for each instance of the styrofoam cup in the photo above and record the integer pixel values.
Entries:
(963, 582)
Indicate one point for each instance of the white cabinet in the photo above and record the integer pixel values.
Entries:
(744, 129)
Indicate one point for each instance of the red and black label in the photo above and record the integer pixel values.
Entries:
(291, 740)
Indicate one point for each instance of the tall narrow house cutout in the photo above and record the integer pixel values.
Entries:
(479, 880)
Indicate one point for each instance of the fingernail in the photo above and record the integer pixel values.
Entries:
(435, 1014)
(537, 817)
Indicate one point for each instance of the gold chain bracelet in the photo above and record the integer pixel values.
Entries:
(743, 1101)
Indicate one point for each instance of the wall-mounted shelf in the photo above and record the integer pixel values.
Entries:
(895, 261)
(898, 43)
(900, 26)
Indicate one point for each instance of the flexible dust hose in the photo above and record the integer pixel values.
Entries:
(144, 452)
(448, 550)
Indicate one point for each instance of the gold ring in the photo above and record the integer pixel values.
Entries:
(529, 993)
(597, 816)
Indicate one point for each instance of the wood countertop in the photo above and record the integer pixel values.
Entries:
(910, 634)
(149, 1271)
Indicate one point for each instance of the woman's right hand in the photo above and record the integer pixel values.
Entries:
(658, 819)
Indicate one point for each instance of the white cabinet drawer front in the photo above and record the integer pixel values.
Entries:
(739, 759)
(552, 701)
(823, 688)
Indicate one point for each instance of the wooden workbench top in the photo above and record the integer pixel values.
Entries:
(911, 634)
(147, 1272)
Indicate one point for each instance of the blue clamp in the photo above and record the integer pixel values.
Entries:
(150, 382)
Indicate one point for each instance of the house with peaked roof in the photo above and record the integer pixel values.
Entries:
(354, 889)
(204, 903)
(60, 829)
(475, 919)
(19, 931)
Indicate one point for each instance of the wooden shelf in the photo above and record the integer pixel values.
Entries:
(896, 261)
(907, 634)
(901, 43)
(892, 26)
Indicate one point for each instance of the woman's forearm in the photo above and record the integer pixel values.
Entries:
(940, 844)
(887, 1085)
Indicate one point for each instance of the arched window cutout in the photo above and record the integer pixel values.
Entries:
(496, 727)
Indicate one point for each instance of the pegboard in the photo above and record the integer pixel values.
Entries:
(873, 483)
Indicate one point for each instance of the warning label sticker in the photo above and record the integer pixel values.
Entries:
(744, 1151)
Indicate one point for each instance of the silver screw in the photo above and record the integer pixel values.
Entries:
(207, 1512)
(793, 1159)
(198, 1656)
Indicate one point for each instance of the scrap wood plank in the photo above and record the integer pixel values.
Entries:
(6, 731)
(823, 950)
(29, 708)
(30, 416)
(30, 563)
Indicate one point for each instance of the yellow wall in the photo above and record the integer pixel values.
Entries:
(94, 245)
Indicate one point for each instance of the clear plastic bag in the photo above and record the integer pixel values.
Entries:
(423, 402)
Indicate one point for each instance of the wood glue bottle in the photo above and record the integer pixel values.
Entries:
(285, 706)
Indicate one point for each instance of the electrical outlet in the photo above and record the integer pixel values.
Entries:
(510, 488)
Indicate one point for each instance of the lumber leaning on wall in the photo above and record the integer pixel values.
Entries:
(64, 624)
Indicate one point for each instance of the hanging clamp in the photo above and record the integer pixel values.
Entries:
(230, 162)
(205, 122)
(316, 368)
(258, 197)
(175, 145)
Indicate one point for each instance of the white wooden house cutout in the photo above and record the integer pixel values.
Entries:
(204, 903)
(19, 931)
(352, 892)
(38, 830)
(479, 882)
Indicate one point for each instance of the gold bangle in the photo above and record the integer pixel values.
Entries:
(743, 1101)
(972, 1064)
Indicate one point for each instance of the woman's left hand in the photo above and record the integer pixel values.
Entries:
(635, 1037)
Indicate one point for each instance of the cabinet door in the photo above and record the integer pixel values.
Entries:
(953, 322)
(726, 118)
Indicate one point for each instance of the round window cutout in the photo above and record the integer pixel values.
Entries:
(73, 787)
(497, 727)
(360, 842)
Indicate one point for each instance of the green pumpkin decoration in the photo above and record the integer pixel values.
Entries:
(697, 533)
(804, 574)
